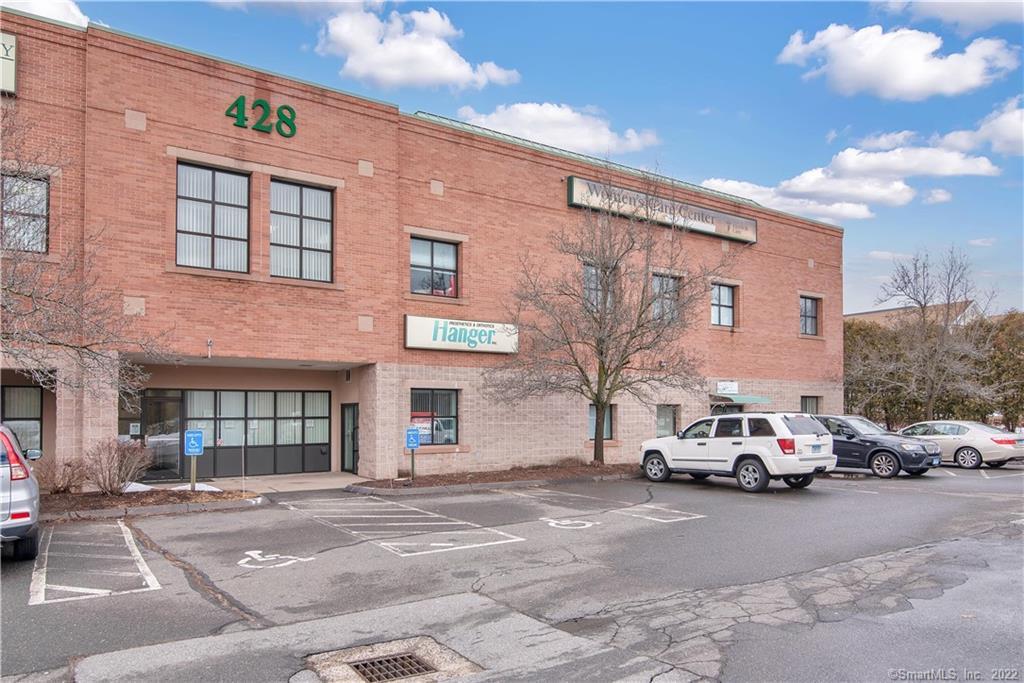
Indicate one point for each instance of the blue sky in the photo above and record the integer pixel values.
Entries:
(725, 94)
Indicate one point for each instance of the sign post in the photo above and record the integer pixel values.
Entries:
(193, 449)
(412, 442)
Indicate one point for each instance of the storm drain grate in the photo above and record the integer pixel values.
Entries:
(391, 667)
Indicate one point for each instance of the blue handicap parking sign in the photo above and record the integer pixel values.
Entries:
(193, 442)
(412, 438)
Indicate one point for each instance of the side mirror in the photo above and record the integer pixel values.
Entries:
(680, 434)
(33, 454)
(847, 433)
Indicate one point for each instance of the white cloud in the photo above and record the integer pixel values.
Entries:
(823, 185)
(831, 136)
(887, 255)
(968, 17)
(901, 64)
(938, 196)
(982, 242)
(909, 161)
(706, 111)
(562, 126)
(882, 141)
(1003, 130)
(406, 49)
(61, 10)
(832, 212)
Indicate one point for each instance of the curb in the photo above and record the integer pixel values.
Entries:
(480, 486)
(146, 510)
(844, 475)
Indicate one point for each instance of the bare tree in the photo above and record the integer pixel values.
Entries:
(607, 316)
(937, 350)
(59, 323)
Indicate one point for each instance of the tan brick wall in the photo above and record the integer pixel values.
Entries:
(116, 191)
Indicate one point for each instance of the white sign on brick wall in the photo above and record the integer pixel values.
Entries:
(8, 63)
(445, 334)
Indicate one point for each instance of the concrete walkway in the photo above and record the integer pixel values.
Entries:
(282, 483)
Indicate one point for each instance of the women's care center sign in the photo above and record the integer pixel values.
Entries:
(444, 334)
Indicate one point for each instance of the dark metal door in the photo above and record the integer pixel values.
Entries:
(350, 437)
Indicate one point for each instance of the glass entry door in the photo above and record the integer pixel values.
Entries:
(161, 418)
(350, 437)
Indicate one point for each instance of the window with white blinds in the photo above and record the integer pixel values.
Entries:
(213, 219)
(300, 231)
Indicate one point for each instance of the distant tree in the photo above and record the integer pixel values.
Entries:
(874, 374)
(937, 349)
(607, 317)
(1004, 367)
(61, 325)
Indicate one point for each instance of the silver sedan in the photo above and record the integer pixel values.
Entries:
(969, 444)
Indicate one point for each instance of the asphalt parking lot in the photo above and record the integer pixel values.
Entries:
(845, 580)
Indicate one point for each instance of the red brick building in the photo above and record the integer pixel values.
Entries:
(285, 239)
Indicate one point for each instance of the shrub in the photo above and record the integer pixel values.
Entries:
(111, 464)
(59, 477)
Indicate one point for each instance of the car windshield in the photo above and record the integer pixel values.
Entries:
(864, 426)
(802, 424)
(988, 429)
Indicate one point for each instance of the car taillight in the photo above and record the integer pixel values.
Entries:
(18, 469)
(20, 515)
(1004, 441)
(788, 446)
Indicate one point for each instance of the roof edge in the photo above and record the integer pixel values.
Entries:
(46, 20)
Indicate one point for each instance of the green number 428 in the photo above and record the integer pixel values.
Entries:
(285, 124)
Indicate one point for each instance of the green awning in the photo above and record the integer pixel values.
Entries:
(738, 398)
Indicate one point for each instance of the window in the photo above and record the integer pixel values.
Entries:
(809, 404)
(947, 429)
(300, 231)
(729, 427)
(25, 215)
(666, 420)
(213, 219)
(809, 315)
(698, 430)
(22, 411)
(247, 418)
(919, 430)
(596, 287)
(433, 267)
(436, 412)
(723, 305)
(759, 426)
(592, 422)
(666, 297)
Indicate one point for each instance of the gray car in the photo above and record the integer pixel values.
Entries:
(19, 497)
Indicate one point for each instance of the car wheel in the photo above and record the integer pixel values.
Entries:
(968, 458)
(917, 471)
(801, 482)
(752, 476)
(884, 465)
(27, 548)
(699, 475)
(996, 464)
(656, 469)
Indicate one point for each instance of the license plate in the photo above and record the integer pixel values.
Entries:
(935, 462)
(816, 448)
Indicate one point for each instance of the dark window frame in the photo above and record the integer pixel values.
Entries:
(731, 420)
(217, 418)
(45, 180)
(434, 415)
(434, 269)
(666, 300)
(817, 404)
(302, 247)
(213, 218)
(718, 307)
(810, 319)
(609, 423)
(675, 418)
(3, 410)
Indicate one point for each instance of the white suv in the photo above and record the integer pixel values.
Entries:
(753, 447)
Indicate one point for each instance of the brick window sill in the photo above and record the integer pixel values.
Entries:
(608, 443)
(440, 450)
(813, 337)
(430, 299)
(724, 328)
(252, 277)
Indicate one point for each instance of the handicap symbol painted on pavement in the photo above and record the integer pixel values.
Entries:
(568, 523)
(255, 557)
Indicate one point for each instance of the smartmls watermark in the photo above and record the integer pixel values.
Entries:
(952, 674)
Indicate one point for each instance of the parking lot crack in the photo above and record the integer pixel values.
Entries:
(201, 583)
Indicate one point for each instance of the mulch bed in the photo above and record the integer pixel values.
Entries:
(514, 474)
(69, 502)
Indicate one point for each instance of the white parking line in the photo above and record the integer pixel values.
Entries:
(945, 471)
(43, 569)
(646, 511)
(417, 528)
